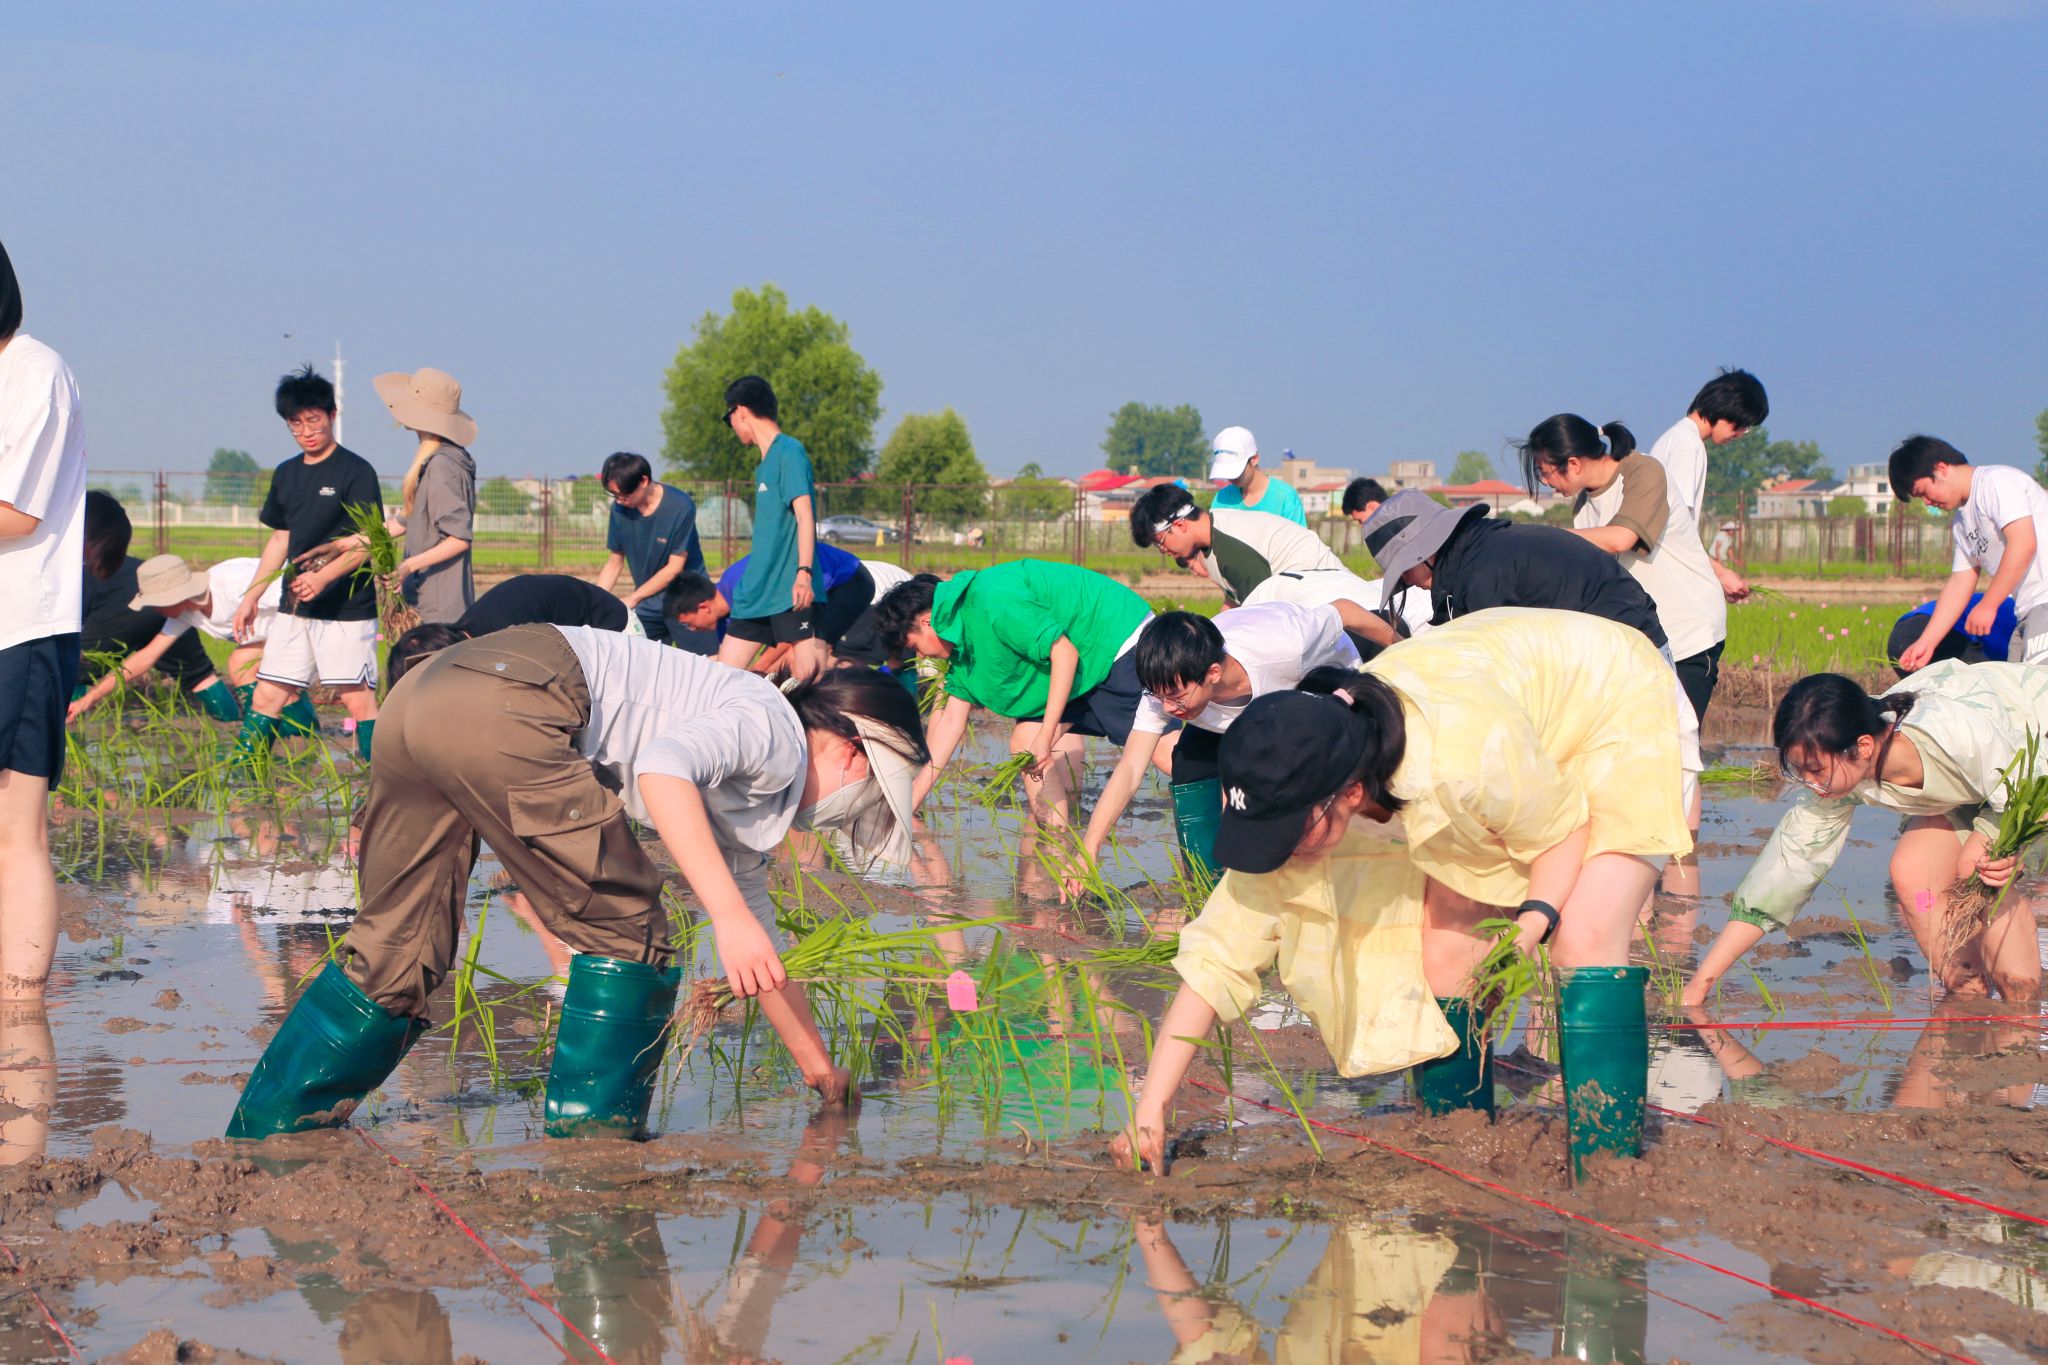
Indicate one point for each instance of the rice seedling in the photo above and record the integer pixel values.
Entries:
(1786, 636)
(383, 556)
(1969, 905)
(1504, 978)
(1758, 774)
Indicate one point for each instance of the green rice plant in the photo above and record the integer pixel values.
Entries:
(383, 554)
(1969, 905)
(1759, 773)
(1504, 978)
(1787, 636)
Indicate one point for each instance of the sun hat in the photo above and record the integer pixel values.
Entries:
(166, 580)
(881, 828)
(1287, 753)
(1230, 452)
(429, 401)
(1409, 527)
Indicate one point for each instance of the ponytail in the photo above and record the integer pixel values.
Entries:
(1557, 439)
(410, 488)
(1376, 708)
(1826, 714)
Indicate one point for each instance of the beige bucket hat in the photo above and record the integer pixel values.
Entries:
(430, 401)
(166, 580)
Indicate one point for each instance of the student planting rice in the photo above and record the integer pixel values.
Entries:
(529, 599)
(1532, 759)
(1932, 748)
(1994, 644)
(1045, 645)
(777, 596)
(1203, 673)
(849, 588)
(719, 762)
(2000, 517)
(1728, 407)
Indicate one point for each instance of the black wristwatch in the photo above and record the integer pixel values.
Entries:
(1545, 909)
(803, 568)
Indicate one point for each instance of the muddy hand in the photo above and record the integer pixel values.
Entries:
(1140, 1141)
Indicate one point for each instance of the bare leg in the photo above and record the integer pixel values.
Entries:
(243, 661)
(28, 887)
(271, 698)
(360, 699)
(1451, 942)
(735, 651)
(1923, 869)
(1052, 796)
(2012, 953)
(1598, 919)
(1682, 875)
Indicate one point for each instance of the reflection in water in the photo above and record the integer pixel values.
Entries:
(611, 1281)
(28, 1080)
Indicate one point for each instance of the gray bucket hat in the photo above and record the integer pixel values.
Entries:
(1410, 527)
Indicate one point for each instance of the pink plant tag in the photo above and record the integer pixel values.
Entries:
(348, 725)
(961, 994)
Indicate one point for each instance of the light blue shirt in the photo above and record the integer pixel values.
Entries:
(1280, 499)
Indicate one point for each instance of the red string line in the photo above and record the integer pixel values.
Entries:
(48, 1316)
(1480, 1182)
(485, 1247)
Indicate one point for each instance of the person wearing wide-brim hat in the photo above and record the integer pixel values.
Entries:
(581, 729)
(437, 502)
(1531, 758)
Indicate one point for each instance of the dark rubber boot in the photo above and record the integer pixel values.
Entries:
(336, 1046)
(218, 702)
(1606, 1044)
(1197, 811)
(299, 718)
(245, 697)
(614, 1028)
(258, 737)
(1463, 1080)
(366, 732)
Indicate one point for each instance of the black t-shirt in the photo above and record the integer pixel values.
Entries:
(1493, 563)
(543, 599)
(308, 500)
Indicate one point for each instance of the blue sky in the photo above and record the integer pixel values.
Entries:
(1368, 231)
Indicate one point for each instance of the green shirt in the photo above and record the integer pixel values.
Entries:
(785, 476)
(1003, 622)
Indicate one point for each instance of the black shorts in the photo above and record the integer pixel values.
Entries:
(1107, 709)
(826, 620)
(1195, 755)
(1697, 674)
(36, 678)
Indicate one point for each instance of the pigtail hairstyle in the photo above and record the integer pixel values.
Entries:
(1826, 714)
(1378, 707)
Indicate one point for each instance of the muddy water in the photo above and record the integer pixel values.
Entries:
(978, 1220)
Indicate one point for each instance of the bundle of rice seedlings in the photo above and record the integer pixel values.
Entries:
(1504, 978)
(1969, 905)
(384, 555)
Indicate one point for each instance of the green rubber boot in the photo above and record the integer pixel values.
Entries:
(245, 697)
(218, 702)
(608, 1049)
(258, 737)
(366, 731)
(1606, 1047)
(335, 1047)
(1606, 1314)
(299, 718)
(1197, 811)
(1463, 1080)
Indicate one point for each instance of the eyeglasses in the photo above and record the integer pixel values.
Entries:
(311, 421)
(1816, 780)
(730, 410)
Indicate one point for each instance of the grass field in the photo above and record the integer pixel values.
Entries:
(1808, 637)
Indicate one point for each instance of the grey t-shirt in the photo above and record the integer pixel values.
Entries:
(660, 710)
(444, 506)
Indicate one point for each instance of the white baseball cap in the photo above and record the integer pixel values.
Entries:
(1229, 453)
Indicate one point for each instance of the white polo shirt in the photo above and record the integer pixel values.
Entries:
(227, 583)
(1684, 456)
(1999, 496)
(42, 473)
(1275, 643)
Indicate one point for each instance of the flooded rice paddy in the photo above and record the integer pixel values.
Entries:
(964, 1208)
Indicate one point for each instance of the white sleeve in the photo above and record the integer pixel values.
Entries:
(1964, 559)
(1150, 718)
(728, 743)
(33, 436)
(1324, 641)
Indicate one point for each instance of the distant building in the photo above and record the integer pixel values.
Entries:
(1409, 474)
(1796, 497)
(1873, 484)
(1495, 494)
(1303, 475)
(1322, 499)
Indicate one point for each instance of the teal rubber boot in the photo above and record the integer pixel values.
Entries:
(218, 702)
(299, 718)
(245, 697)
(1197, 811)
(366, 732)
(1605, 1038)
(1606, 1312)
(258, 737)
(336, 1046)
(1463, 1080)
(608, 1049)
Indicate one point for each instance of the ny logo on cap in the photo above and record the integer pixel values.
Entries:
(1237, 798)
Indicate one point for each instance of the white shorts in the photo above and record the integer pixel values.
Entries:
(301, 652)
(2030, 639)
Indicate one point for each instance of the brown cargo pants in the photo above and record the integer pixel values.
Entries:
(478, 743)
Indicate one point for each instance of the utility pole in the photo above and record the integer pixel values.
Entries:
(338, 407)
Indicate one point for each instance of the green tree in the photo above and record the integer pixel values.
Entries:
(1473, 466)
(1738, 469)
(579, 494)
(1031, 496)
(934, 448)
(2041, 444)
(829, 398)
(502, 498)
(1848, 505)
(1157, 440)
(233, 478)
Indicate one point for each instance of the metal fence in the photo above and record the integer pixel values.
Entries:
(559, 524)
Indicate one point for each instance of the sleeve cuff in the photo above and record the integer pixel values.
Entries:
(1750, 915)
(1636, 529)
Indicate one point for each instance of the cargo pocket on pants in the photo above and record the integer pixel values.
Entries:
(562, 824)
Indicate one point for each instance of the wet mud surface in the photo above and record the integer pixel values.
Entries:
(981, 1218)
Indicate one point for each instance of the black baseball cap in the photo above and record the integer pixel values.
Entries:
(1286, 753)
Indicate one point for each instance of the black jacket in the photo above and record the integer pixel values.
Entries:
(1491, 563)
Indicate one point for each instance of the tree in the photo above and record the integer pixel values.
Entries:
(2041, 444)
(1473, 466)
(1737, 469)
(934, 448)
(1154, 440)
(1847, 505)
(829, 398)
(502, 498)
(1033, 497)
(233, 478)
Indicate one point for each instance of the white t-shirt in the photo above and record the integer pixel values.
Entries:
(1674, 570)
(228, 582)
(1999, 496)
(1683, 454)
(1275, 643)
(1320, 587)
(42, 473)
(886, 575)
